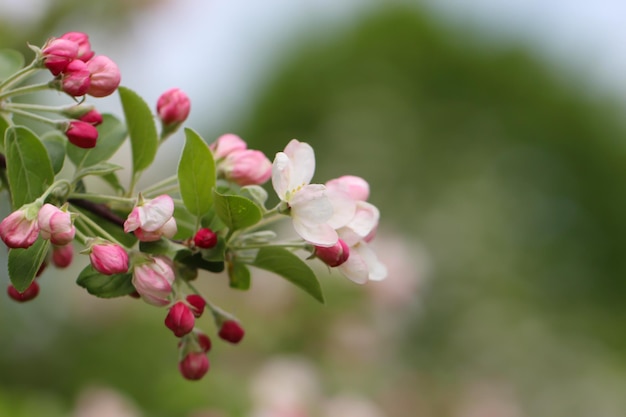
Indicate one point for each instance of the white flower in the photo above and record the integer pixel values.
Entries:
(310, 207)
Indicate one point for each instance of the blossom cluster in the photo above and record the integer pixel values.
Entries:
(151, 244)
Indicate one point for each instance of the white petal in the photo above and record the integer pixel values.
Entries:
(355, 268)
(319, 234)
(365, 219)
(281, 174)
(377, 270)
(303, 159)
(311, 204)
(156, 213)
(344, 207)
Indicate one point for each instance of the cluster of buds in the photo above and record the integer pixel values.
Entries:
(152, 244)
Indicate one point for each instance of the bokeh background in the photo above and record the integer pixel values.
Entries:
(493, 137)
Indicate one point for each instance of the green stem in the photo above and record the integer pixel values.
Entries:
(103, 198)
(33, 116)
(81, 237)
(24, 90)
(50, 189)
(100, 231)
(20, 75)
(299, 245)
(155, 193)
(34, 107)
(157, 186)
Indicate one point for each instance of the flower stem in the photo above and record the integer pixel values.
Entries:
(103, 198)
(33, 116)
(20, 75)
(99, 230)
(24, 90)
(156, 187)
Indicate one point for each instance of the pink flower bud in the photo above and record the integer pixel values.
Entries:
(246, 167)
(82, 134)
(357, 188)
(154, 281)
(76, 81)
(231, 331)
(62, 255)
(173, 106)
(58, 53)
(105, 76)
(18, 231)
(152, 219)
(205, 238)
(194, 366)
(109, 258)
(28, 294)
(204, 341)
(334, 255)
(93, 117)
(168, 231)
(227, 144)
(197, 304)
(180, 319)
(84, 47)
(55, 224)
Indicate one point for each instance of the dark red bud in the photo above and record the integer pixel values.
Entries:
(231, 331)
(205, 238)
(194, 366)
(180, 319)
(30, 292)
(197, 304)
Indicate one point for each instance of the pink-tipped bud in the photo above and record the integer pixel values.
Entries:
(84, 47)
(231, 331)
(356, 187)
(105, 76)
(194, 366)
(197, 304)
(58, 53)
(204, 341)
(76, 81)
(152, 219)
(153, 280)
(55, 224)
(28, 294)
(109, 258)
(62, 255)
(205, 238)
(82, 134)
(173, 106)
(246, 167)
(334, 255)
(180, 320)
(93, 117)
(18, 231)
(227, 144)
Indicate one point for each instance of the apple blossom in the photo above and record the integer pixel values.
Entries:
(105, 76)
(58, 53)
(173, 106)
(153, 281)
(75, 80)
(108, 258)
(20, 228)
(151, 219)
(226, 144)
(84, 47)
(55, 224)
(309, 205)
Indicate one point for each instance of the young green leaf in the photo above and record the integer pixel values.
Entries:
(141, 129)
(105, 286)
(29, 169)
(196, 174)
(11, 61)
(236, 211)
(111, 135)
(24, 263)
(55, 141)
(238, 276)
(290, 267)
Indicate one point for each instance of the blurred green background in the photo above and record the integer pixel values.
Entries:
(499, 177)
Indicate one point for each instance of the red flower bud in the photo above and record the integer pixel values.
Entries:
(197, 304)
(205, 238)
(204, 341)
(28, 294)
(105, 76)
(231, 331)
(334, 255)
(93, 117)
(58, 53)
(76, 81)
(84, 47)
(180, 319)
(173, 106)
(194, 366)
(82, 134)
(62, 255)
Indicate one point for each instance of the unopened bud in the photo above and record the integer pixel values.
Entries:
(93, 117)
(76, 81)
(204, 341)
(62, 255)
(84, 47)
(105, 76)
(246, 167)
(173, 106)
(28, 294)
(58, 53)
(231, 331)
(205, 238)
(18, 230)
(197, 304)
(82, 134)
(153, 280)
(194, 366)
(109, 258)
(180, 320)
(334, 255)
(55, 224)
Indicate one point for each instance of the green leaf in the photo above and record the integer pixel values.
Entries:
(114, 182)
(111, 135)
(238, 276)
(55, 141)
(29, 169)
(141, 129)
(236, 211)
(105, 286)
(290, 267)
(101, 169)
(24, 263)
(196, 174)
(10, 62)
(4, 125)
